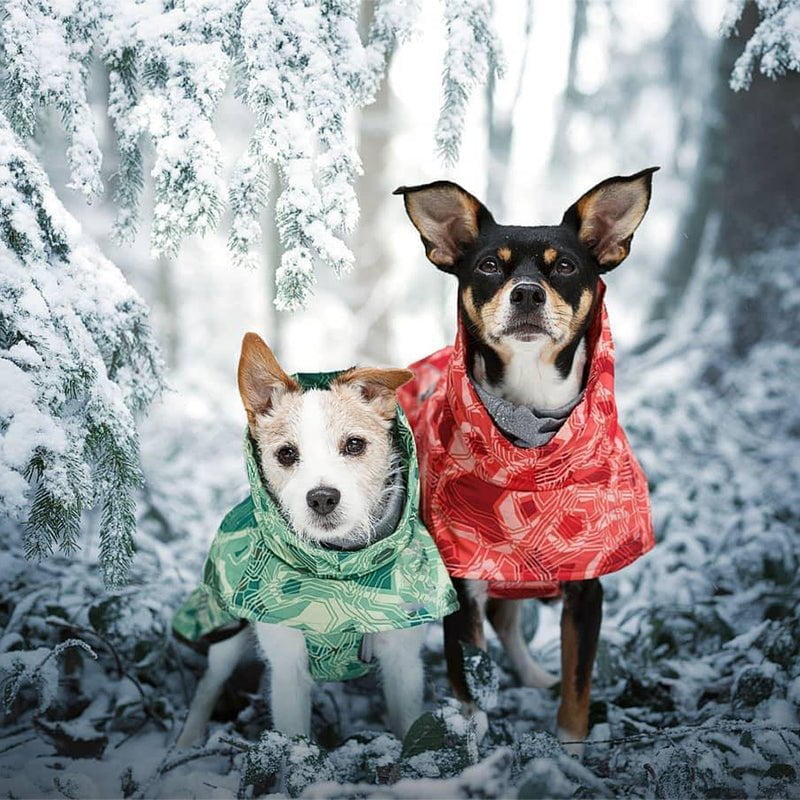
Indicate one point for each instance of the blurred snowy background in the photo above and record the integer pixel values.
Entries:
(702, 632)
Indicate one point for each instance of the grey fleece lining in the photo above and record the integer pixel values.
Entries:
(523, 425)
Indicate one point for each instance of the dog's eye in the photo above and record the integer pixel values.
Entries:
(287, 455)
(565, 267)
(354, 446)
(489, 266)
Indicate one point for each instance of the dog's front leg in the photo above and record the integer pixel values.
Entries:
(580, 629)
(222, 660)
(290, 680)
(506, 619)
(465, 625)
(402, 675)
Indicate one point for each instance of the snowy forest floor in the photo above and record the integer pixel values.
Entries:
(697, 682)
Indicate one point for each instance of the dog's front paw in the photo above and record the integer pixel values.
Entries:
(536, 677)
(190, 736)
(572, 743)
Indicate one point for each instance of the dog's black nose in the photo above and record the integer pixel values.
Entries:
(527, 295)
(323, 499)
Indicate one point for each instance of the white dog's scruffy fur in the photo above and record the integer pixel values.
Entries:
(312, 429)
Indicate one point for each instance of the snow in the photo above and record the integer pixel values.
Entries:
(697, 677)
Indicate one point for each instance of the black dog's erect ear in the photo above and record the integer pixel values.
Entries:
(447, 217)
(606, 217)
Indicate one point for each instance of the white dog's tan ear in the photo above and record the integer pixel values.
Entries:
(377, 386)
(447, 217)
(607, 216)
(260, 377)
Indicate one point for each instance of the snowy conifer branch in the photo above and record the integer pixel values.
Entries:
(774, 45)
(302, 70)
(472, 51)
(168, 70)
(76, 361)
(393, 22)
(46, 49)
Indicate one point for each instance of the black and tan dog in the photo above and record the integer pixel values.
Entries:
(527, 299)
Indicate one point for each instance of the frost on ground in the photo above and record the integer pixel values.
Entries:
(697, 681)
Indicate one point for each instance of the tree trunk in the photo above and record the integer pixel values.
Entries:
(500, 126)
(272, 258)
(372, 256)
(747, 182)
(561, 153)
(166, 306)
(704, 195)
(761, 181)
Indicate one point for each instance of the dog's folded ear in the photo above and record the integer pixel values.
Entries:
(607, 216)
(447, 217)
(261, 378)
(376, 386)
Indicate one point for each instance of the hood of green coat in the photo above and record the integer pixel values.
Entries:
(258, 570)
(310, 557)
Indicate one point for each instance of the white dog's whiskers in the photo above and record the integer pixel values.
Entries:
(383, 516)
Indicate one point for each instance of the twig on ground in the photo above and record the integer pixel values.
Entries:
(687, 730)
(240, 745)
(17, 744)
(121, 671)
(15, 731)
(219, 751)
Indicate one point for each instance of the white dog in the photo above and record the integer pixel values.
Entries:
(329, 461)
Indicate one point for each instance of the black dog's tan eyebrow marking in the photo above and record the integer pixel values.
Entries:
(504, 254)
(550, 255)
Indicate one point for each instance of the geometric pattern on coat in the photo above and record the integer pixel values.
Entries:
(526, 519)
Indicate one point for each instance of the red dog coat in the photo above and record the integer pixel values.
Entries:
(525, 519)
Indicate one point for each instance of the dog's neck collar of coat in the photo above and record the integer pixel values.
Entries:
(329, 562)
(525, 426)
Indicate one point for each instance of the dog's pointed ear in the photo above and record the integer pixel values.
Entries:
(607, 216)
(261, 378)
(447, 217)
(377, 387)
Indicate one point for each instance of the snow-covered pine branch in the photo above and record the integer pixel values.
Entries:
(45, 52)
(76, 362)
(301, 69)
(775, 44)
(472, 53)
(168, 68)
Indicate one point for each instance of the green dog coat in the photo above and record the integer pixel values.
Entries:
(259, 570)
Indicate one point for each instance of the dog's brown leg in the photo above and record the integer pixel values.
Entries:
(464, 625)
(580, 629)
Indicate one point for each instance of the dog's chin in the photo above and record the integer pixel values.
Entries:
(331, 528)
(525, 332)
